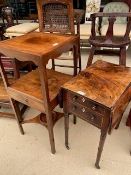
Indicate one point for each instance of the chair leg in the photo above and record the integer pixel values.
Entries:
(91, 54)
(16, 69)
(51, 133)
(53, 64)
(79, 55)
(122, 59)
(17, 113)
(75, 59)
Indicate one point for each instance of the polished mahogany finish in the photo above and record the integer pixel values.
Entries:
(38, 89)
(109, 40)
(98, 95)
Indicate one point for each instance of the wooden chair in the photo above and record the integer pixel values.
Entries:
(12, 27)
(8, 16)
(109, 40)
(10, 20)
(4, 100)
(56, 16)
(10, 66)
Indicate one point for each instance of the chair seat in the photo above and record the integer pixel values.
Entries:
(27, 89)
(21, 29)
(116, 42)
(119, 29)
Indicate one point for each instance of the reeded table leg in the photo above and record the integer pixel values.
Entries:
(66, 117)
(100, 148)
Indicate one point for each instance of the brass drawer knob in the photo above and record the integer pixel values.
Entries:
(94, 108)
(83, 109)
(83, 100)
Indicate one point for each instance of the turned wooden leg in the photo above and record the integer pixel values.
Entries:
(122, 59)
(91, 54)
(100, 148)
(51, 133)
(66, 117)
(17, 113)
(53, 64)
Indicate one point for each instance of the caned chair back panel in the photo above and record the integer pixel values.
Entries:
(56, 16)
(116, 7)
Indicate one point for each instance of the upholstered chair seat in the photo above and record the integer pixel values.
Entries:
(20, 29)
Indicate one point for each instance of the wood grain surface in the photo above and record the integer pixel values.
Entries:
(103, 82)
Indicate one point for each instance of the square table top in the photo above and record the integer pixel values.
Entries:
(35, 45)
(102, 82)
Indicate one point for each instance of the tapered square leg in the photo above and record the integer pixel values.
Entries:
(51, 133)
(74, 119)
(66, 117)
(100, 148)
(17, 113)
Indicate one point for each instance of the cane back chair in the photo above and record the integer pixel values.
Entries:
(109, 40)
(56, 16)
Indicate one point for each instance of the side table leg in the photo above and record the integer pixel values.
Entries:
(50, 131)
(100, 148)
(66, 117)
(74, 119)
(17, 114)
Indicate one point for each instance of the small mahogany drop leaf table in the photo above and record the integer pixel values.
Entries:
(38, 89)
(99, 95)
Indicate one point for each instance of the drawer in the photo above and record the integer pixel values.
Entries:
(85, 114)
(94, 107)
